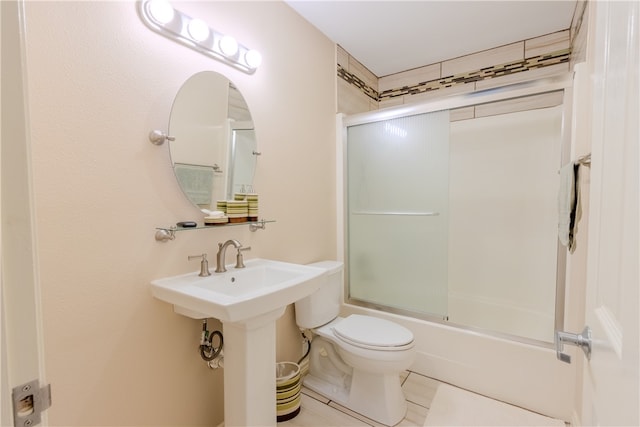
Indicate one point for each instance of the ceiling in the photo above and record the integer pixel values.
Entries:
(393, 36)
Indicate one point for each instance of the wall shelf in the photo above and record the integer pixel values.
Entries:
(169, 233)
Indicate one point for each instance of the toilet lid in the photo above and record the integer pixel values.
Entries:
(373, 332)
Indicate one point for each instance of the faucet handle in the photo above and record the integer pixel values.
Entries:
(204, 264)
(240, 258)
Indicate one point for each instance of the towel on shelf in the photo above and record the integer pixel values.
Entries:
(212, 214)
(569, 210)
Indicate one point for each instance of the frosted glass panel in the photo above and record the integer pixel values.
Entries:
(398, 212)
(503, 222)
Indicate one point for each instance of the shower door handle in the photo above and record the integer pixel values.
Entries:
(582, 340)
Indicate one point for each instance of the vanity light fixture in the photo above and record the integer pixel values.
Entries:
(162, 18)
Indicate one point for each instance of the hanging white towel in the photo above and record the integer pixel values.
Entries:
(568, 205)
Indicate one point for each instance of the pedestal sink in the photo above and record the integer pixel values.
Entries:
(247, 301)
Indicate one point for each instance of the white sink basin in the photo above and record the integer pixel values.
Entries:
(239, 294)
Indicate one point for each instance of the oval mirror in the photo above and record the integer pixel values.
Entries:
(214, 151)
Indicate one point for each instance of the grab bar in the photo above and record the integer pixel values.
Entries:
(396, 213)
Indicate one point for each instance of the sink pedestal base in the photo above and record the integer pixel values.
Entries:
(250, 371)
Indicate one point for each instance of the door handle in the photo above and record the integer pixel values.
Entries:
(582, 340)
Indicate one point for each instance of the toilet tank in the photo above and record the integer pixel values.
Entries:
(323, 305)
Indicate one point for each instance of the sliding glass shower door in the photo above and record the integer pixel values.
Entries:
(397, 197)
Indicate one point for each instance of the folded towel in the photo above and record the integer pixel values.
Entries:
(212, 214)
(569, 210)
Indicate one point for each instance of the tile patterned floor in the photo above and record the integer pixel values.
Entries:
(319, 411)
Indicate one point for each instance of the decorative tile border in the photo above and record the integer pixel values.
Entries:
(352, 79)
(532, 63)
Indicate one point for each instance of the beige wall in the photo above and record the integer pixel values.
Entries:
(98, 82)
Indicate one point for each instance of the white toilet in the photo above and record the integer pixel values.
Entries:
(355, 361)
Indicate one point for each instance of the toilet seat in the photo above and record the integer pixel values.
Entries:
(373, 333)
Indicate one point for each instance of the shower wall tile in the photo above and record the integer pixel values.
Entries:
(475, 80)
(483, 70)
(488, 58)
(545, 44)
(362, 72)
(391, 102)
(521, 104)
(463, 113)
(342, 57)
(352, 100)
(357, 86)
(579, 16)
(439, 91)
(579, 25)
(531, 74)
(409, 77)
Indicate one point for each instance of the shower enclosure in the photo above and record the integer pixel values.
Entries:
(451, 211)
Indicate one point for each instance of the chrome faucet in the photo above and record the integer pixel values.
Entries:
(222, 248)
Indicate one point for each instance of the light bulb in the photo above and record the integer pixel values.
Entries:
(161, 11)
(198, 30)
(253, 59)
(228, 46)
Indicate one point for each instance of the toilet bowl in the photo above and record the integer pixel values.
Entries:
(355, 361)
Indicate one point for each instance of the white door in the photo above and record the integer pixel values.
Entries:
(611, 377)
(21, 342)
